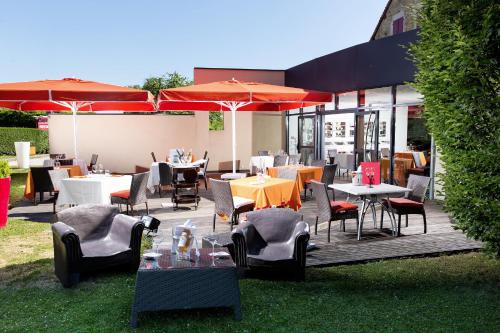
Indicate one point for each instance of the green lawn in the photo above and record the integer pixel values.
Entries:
(457, 293)
(17, 183)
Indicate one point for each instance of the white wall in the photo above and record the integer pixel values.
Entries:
(401, 135)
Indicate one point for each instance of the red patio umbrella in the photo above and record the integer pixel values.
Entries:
(234, 95)
(74, 95)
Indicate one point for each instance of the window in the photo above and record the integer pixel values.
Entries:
(216, 121)
(340, 129)
(398, 23)
(383, 129)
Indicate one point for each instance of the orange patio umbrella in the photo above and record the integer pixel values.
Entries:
(234, 95)
(75, 95)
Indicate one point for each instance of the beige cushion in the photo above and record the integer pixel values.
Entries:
(240, 202)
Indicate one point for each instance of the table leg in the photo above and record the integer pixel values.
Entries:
(392, 216)
(363, 211)
(374, 213)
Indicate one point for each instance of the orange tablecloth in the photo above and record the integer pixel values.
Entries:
(74, 170)
(401, 166)
(303, 174)
(274, 192)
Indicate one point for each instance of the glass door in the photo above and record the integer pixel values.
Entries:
(306, 138)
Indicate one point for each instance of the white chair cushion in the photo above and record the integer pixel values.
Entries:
(240, 202)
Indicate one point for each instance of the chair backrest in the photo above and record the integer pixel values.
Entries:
(190, 175)
(385, 152)
(318, 163)
(138, 188)
(48, 163)
(332, 152)
(56, 176)
(263, 152)
(65, 162)
(205, 167)
(280, 160)
(41, 179)
(153, 156)
(419, 185)
(419, 159)
(287, 173)
(328, 175)
(90, 221)
(205, 155)
(322, 200)
(93, 160)
(223, 197)
(294, 159)
(274, 225)
(57, 156)
(166, 174)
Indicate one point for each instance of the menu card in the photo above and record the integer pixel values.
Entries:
(370, 169)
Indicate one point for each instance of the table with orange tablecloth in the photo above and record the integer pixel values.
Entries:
(73, 170)
(303, 174)
(273, 192)
(401, 166)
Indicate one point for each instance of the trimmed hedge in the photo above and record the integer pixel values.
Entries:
(10, 118)
(9, 135)
(459, 76)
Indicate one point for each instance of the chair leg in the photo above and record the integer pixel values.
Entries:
(127, 209)
(407, 220)
(131, 210)
(316, 226)
(425, 222)
(343, 225)
(213, 223)
(159, 190)
(54, 206)
(329, 225)
(399, 225)
(382, 217)
(147, 208)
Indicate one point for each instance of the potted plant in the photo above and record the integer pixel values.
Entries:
(4, 191)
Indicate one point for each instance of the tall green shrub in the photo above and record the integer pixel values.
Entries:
(457, 59)
(9, 135)
(10, 118)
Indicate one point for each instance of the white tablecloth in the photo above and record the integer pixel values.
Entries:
(259, 161)
(95, 189)
(81, 163)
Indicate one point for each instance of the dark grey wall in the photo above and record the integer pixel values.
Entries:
(377, 63)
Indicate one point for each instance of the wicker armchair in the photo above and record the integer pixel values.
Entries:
(411, 203)
(228, 206)
(56, 176)
(331, 210)
(327, 178)
(280, 160)
(294, 159)
(41, 181)
(89, 238)
(135, 195)
(273, 239)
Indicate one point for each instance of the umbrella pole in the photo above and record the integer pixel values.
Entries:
(73, 111)
(233, 125)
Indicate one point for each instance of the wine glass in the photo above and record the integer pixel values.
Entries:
(156, 243)
(212, 240)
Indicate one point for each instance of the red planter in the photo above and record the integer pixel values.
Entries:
(4, 200)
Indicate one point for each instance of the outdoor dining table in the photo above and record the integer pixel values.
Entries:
(370, 197)
(257, 162)
(271, 192)
(73, 170)
(304, 173)
(91, 189)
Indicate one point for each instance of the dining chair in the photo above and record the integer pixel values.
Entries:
(202, 174)
(186, 191)
(41, 181)
(331, 210)
(327, 177)
(294, 159)
(280, 160)
(93, 161)
(56, 176)
(411, 203)
(153, 156)
(287, 173)
(263, 152)
(166, 176)
(57, 156)
(318, 163)
(135, 195)
(227, 206)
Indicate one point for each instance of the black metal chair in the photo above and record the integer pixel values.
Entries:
(327, 177)
(272, 240)
(89, 238)
(166, 176)
(411, 203)
(56, 176)
(227, 206)
(280, 160)
(135, 195)
(186, 191)
(263, 153)
(331, 210)
(41, 181)
(202, 174)
(153, 156)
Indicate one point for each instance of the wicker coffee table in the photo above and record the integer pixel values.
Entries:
(168, 283)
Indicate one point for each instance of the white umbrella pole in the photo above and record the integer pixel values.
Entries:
(73, 110)
(233, 125)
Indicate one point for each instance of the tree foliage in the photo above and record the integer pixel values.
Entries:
(458, 74)
(170, 80)
(10, 118)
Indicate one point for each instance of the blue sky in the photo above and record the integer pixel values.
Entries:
(123, 42)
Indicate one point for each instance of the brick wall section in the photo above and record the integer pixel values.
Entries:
(408, 7)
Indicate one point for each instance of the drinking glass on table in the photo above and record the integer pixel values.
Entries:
(212, 239)
(157, 239)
